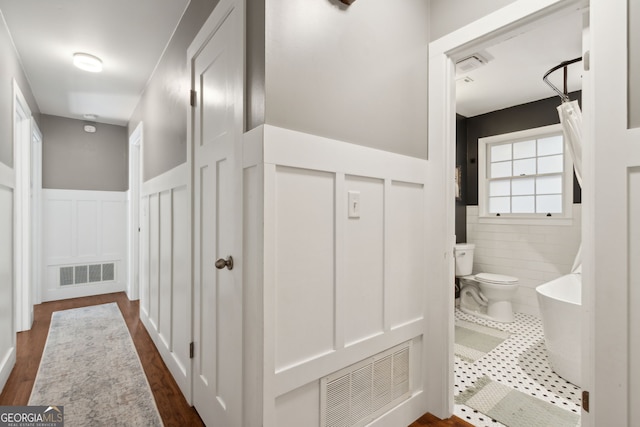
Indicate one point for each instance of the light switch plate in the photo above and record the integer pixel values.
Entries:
(354, 204)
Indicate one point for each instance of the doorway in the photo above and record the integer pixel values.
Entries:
(514, 19)
(135, 184)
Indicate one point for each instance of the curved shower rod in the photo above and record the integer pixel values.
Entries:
(563, 95)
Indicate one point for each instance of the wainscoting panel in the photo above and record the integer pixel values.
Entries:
(165, 275)
(329, 283)
(634, 294)
(406, 253)
(7, 333)
(305, 251)
(363, 285)
(84, 235)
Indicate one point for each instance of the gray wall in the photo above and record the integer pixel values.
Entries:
(356, 74)
(165, 102)
(10, 68)
(255, 63)
(73, 159)
(449, 15)
(634, 64)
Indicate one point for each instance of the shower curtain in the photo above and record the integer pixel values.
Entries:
(571, 120)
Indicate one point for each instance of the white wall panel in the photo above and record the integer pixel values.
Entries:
(165, 260)
(166, 263)
(321, 289)
(86, 228)
(634, 294)
(111, 215)
(7, 334)
(406, 252)
(305, 271)
(299, 407)
(154, 258)
(181, 272)
(58, 229)
(363, 289)
(81, 228)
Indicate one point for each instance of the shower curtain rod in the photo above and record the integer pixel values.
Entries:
(563, 95)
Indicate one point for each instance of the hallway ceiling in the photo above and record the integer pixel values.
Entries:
(129, 36)
(513, 75)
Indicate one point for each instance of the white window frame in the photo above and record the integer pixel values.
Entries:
(565, 218)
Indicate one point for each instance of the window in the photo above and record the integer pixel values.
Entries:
(525, 174)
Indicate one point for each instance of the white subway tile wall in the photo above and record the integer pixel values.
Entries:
(535, 254)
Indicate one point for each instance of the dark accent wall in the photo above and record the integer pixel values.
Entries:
(165, 102)
(73, 159)
(461, 162)
(521, 117)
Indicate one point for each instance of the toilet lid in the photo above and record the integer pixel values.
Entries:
(497, 279)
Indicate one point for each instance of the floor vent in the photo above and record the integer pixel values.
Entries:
(360, 393)
(85, 274)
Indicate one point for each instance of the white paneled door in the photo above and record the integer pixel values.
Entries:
(218, 291)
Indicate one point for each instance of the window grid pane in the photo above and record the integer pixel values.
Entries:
(526, 176)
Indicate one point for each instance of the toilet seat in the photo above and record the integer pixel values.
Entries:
(496, 279)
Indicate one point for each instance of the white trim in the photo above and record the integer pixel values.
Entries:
(515, 18)
(36, 211)
(7, 177)
(22, 210)
(135, 184)
(166, 181)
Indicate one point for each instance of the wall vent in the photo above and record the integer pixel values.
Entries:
(84, 274)
(360, 393)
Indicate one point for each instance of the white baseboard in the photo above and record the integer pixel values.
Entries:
(6, 366)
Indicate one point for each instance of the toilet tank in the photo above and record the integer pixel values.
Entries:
(463, 253)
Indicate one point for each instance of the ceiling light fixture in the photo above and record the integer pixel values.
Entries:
(87, 62)
(90, 128)
(90, 117)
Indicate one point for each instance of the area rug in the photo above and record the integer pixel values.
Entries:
(473, 341)
(90, 366)
(514, 408)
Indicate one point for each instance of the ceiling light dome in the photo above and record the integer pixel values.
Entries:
(87, 62)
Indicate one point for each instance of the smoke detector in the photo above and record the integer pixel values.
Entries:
(470, 63)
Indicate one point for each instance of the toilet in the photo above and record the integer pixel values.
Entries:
(484, 295)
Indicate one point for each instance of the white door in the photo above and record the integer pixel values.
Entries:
(611, 210)
(217, 389)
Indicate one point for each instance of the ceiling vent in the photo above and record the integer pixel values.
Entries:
(470, 63)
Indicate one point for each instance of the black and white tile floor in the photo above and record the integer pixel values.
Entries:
(519, 362)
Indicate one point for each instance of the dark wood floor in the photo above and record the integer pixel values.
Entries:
(174, 409)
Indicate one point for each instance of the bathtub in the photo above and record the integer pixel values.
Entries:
(560, 303)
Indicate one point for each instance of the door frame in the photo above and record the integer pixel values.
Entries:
(21, 131)
(135, 187)
(37, 269)
(505, 23)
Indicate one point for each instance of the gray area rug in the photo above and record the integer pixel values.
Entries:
(473, 341)
(90, 366)
(514, 408)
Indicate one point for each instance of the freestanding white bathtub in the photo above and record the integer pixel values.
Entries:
(560, 303)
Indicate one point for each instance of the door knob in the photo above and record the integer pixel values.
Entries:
(222, 263)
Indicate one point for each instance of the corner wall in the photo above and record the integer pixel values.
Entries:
(165, 101)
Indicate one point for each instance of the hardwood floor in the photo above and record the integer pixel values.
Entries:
(173, 408)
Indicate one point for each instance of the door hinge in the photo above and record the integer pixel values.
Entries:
(191, 350)
(585, 400)
(138, 229)
(193, 99)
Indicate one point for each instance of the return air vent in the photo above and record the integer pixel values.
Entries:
(85, 274)
(360, 393)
